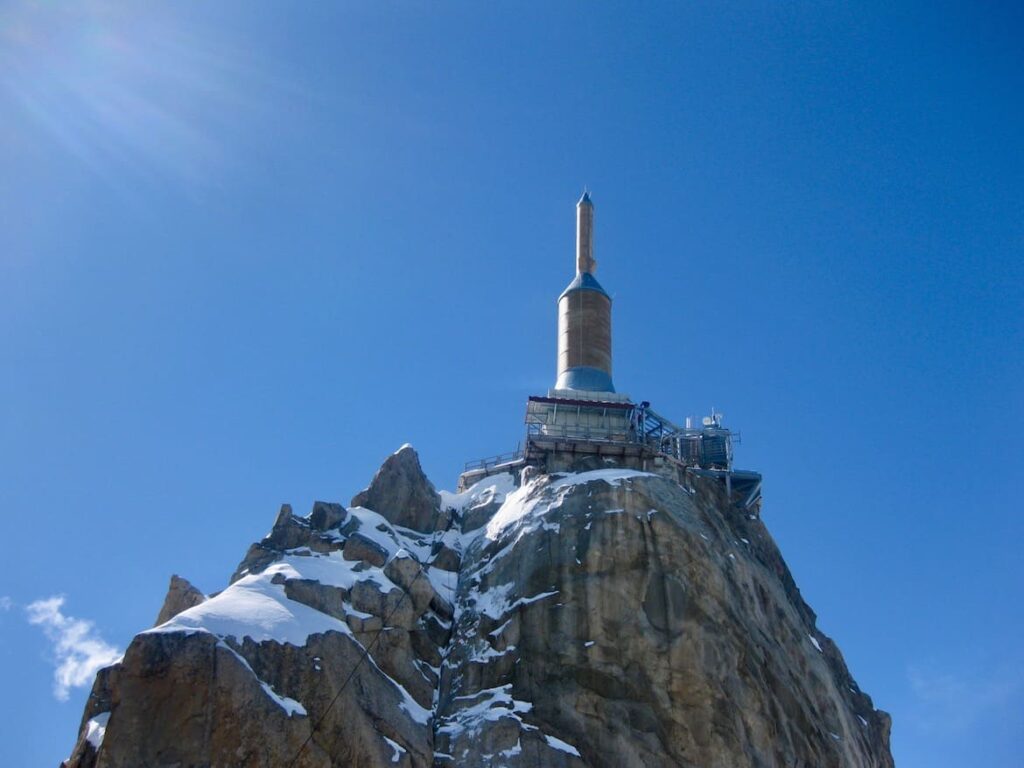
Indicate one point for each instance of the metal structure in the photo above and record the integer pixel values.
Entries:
(631, 432)
(583, 417)
(708, 446)
(585, 317)
(574, 422)
(502, 460)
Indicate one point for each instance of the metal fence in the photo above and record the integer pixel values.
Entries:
(550, 420)
(495, 461)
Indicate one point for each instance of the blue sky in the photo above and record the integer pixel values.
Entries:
(249, 249)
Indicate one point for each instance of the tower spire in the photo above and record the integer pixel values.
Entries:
(585, 263)
(585, 317)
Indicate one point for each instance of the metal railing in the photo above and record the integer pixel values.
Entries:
(495, 461)
(594, 434)
(705, 446)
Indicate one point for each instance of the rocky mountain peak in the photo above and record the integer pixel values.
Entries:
(181, 596)
(608, 618)
(401, 492)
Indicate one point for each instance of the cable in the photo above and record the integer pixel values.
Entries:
(362, 658)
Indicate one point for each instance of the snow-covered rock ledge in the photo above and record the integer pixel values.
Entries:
(601, 618)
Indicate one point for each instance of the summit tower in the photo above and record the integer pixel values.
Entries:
(583, 423)
(585, 317)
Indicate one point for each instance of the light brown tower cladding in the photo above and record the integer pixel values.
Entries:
(585, 317)
(585, 236)
(584, 338)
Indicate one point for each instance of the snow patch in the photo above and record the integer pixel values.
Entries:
(513, 751)
(96, 728)
(526, 507)
(497, 632)
(397, 750)
(490, 704)
(613, 477)
(490, 489)
(561, 746)
(518, 509)
(290, 706)
(490, 653)
(255, 607)
(494, 602)
(420, 714)
(815, 643)
(376, 527)
(528, 600)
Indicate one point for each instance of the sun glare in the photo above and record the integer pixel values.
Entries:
(123, 88)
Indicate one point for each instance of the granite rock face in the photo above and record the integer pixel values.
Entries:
(604, 618)
(403, 494)
(617, 619)
(181, 596)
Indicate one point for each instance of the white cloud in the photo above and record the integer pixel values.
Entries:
(6, 603)
(78, 650)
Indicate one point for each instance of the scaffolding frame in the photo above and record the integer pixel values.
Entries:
(625, 429)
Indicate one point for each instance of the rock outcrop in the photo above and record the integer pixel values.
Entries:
(603, 618)
(615, 618)
(181, 596)
(403, 494)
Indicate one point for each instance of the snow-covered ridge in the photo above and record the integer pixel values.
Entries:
(486, 491)
(528, 506)
(258, 605)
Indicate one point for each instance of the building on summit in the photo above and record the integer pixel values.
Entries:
(582, 423)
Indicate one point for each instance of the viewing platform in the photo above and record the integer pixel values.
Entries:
(572, 434)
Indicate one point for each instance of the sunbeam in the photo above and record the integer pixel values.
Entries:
(129, 91)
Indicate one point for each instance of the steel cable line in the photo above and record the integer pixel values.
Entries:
(362, 658)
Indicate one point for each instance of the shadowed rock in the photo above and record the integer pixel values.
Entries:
(359, 547)
(326, 516)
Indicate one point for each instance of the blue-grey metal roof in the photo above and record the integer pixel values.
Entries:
(585, 198)
(584, 281)
(585, 378)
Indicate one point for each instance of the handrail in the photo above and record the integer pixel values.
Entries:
(494, 461)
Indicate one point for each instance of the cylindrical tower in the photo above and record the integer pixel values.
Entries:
(585, 317)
